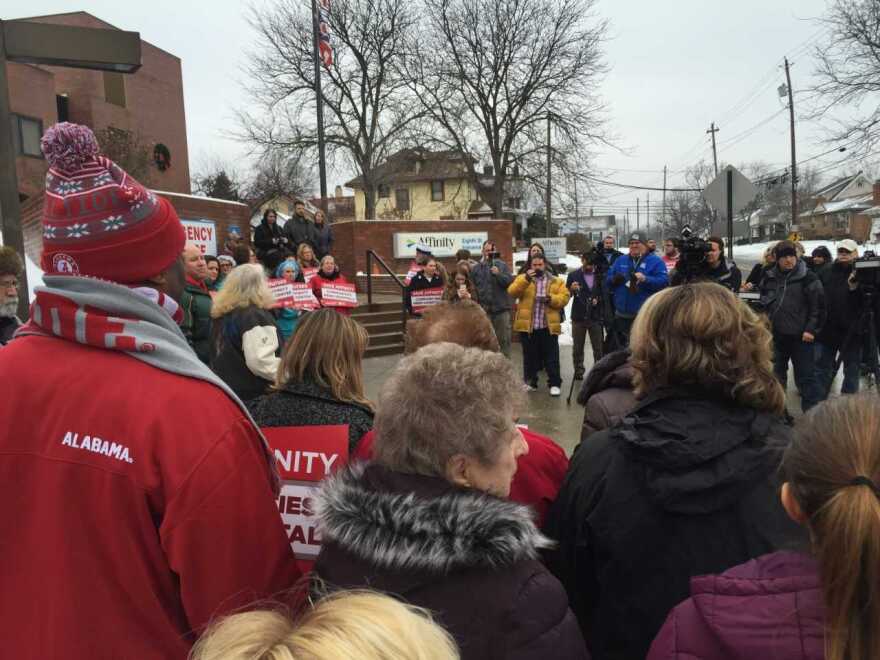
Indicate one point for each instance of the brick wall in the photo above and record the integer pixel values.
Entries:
(352, 239)
(153, 110)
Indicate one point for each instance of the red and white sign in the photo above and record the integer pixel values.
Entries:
(294, 295)
(425, 298)
(305, 455)
(201, 232)
(308, 274)
(339, 295)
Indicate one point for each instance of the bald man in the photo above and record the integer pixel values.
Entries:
(196, 303)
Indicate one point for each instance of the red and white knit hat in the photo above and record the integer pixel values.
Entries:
(97, 220)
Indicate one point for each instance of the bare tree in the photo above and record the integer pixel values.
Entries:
(489, 73)
(687, 207)
(849, 70)
(278, 174)
(369, 111)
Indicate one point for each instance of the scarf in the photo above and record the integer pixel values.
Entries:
(117, 318)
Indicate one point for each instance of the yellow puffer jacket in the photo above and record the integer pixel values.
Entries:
(525, 291)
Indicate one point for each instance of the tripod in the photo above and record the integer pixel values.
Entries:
(864, 326)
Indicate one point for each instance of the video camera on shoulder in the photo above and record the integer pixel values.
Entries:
(867, 270)
(692, 264)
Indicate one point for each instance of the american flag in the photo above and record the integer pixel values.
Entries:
(324, 46)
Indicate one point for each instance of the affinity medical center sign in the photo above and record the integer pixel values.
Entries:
(444, 244)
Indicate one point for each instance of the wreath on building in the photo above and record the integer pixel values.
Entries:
(162, 157)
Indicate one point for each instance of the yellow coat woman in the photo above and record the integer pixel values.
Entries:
(524, 291)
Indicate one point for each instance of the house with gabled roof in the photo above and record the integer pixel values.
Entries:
(838, 210)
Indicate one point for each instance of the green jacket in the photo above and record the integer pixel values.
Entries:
(196, 325)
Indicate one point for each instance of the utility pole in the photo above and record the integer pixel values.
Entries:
(626, 223)
(663, 213)
(577, 217)
(637, 214)
(648, 213)
(794, 204)
(714, 130)
(319, 100)
(548, 175)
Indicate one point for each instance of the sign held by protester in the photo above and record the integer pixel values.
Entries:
(425, 298)
(201, 232)
(305, 455)
(339, 295)
(295, 295)
(308, 274)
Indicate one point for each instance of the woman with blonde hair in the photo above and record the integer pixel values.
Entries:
(684, 484)
(821, 604)
(319, 380)
(305, 256)
(753, 281)
(349, 624)
(245, 343)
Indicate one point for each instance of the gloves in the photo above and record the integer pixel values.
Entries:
(618, 279)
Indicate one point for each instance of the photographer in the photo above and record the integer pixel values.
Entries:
(540, 298)
(491, 277)
(794, 301)
(670, 254)
(713, 269)
(609, 251)
(587, 316)
(632, 279)
(844, 300)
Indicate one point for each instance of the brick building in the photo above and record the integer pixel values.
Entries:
(147, 106)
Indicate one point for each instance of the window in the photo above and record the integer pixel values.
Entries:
(62, 104)
(26, 133)
(841, 222)
(401, 199)
(436, 191)
(114, 88)
(384, 191)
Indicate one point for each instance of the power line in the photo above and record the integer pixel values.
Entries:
(635, 187)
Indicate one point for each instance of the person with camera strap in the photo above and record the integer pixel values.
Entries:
(587, 310)
(633, 278)
(491, 277)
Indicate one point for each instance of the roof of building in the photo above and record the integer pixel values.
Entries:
(849, 204)
(834, 188)
(410, 165)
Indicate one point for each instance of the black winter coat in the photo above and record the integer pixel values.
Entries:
(419, 282)
(728, 276)
(309, 404)
(228, 359)
(843, 306)
(324, 240)
(8, 326)
(684, 485)
(469, 557)
(299, 230)
(269, 237)
(582, 308)
(794, 301)
(757, 274)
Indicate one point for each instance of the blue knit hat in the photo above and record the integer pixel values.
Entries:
(287, 263)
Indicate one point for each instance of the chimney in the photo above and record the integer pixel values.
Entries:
(338, 192)
(487, 170)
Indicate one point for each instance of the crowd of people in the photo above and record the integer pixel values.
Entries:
(144, 514)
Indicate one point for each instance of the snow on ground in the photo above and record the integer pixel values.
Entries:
(752, 254)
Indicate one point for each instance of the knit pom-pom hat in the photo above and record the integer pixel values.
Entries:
(97, 220)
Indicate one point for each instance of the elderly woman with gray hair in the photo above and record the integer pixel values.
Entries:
(428, 520)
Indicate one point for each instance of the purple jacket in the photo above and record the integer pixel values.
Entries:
(768, 608)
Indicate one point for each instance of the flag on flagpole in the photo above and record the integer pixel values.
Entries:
(324, 46)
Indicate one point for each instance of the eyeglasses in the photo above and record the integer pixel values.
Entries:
(8, 284)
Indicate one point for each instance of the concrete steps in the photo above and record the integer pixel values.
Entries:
(384, 324)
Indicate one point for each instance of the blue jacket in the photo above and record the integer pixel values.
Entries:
(656, 278)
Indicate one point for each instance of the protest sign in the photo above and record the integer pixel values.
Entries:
(339, 295)
(295, 295)
(305, 455)
(308, 274)
(425, 298)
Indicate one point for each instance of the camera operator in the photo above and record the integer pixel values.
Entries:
(540, 298)
(844, 300)
(794, 301)
(588, 292)
(491, 276)
(633, 278)
(670, 254)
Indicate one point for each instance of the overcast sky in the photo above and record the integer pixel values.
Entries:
(676, 66)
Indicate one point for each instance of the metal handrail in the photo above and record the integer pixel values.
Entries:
(370, 256)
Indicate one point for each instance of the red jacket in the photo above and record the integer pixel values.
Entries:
(539, 473)
(318, 282)
(135, 505)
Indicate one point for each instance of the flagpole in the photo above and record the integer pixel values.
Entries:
(319, 100)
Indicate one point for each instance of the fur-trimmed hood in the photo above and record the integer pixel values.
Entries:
(415, 523)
